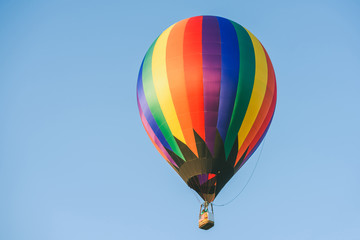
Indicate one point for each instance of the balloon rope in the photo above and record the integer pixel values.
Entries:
(257, 161)
(196, 196)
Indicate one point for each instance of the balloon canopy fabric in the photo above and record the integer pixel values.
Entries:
(206, 94)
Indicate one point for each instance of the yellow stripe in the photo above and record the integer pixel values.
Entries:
(259, 89)
(161, 85)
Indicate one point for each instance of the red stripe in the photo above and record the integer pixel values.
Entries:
(194, 73)
(176, 80)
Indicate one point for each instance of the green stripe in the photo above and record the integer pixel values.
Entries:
(152, 100)
(245, 85)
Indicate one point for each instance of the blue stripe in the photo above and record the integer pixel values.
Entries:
(230, 62)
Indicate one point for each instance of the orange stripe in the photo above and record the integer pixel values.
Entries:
(264, 125)
(194, 73)
(176, 79)
(260, 118)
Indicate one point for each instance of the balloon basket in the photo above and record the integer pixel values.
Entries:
(206, 216)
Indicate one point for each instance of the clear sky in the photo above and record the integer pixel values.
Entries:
(76, 163)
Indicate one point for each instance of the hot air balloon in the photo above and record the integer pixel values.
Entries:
(206, 94)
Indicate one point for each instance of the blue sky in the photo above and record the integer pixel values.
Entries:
(76, 163)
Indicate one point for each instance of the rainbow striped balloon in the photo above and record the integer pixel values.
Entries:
(206, 94)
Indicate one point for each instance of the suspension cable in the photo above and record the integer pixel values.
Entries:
(196, 196)
(252, 173)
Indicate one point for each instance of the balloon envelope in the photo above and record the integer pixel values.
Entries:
(206, 94)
